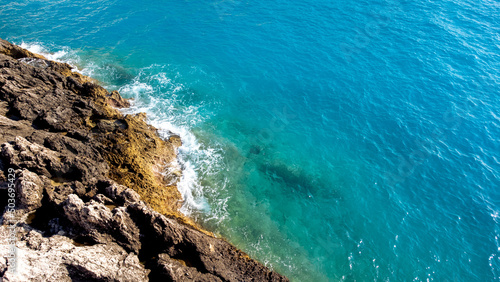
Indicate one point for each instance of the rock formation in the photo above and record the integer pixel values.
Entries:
(91, 203)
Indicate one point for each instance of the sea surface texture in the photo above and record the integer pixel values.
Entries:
(332, 140)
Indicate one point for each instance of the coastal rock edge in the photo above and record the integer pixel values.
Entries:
(90, 203)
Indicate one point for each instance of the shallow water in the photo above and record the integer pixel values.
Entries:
(347, 140)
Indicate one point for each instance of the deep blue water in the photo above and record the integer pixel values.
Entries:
(332, 140)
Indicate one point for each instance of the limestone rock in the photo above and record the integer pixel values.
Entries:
(101, 224)
(95, 190)
(167, 269)
(117, 101)
(15, 51)
(29, 190)
(58, 259)
(122, 194)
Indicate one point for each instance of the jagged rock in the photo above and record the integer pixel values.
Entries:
(90, 216)
(52, 164)
(58, 259)
(122, 194)
(29, 190)
(58, 193)
(101, 224)
(92, 192)
(25, 154)
(60, 101)
(168, 269)
(206, 254)
(117, 101)
(15, 51)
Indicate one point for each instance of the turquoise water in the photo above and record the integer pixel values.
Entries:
(331, 140)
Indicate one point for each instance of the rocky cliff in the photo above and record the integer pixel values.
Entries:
(83, 196)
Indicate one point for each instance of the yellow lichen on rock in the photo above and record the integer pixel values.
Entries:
(138, 157)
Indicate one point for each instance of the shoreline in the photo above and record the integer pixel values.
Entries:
(84, 156)
(174, 134)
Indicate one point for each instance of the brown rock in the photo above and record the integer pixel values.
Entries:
(117, 101)
(29, 190)
(91, 180)
(15, 51)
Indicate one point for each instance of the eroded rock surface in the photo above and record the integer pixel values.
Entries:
(91, 203)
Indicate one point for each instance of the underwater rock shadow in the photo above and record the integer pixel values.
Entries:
(299, 180)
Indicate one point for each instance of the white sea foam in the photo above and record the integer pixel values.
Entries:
(63, 55)
(156, 94)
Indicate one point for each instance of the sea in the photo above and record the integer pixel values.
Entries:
(332, 140)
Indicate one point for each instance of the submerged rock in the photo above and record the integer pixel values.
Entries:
(91, 201)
